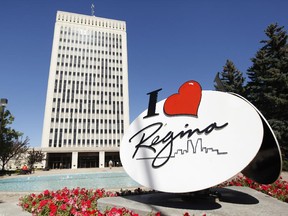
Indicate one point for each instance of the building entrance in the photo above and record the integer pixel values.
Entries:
(59, 160)
(114, 157)
(88, 160)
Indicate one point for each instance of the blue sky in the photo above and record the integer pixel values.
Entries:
(169, 43)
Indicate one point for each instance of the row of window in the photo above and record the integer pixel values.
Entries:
(97, 143)
(93, 102)
(81, 91)
(90, 106)
(88, 66)
(111, 107)
(84, 32)
(67, 30)
(69, 98)
(91, 131)
(89, 111)
(86, 74)
(63, 57)
(86, 84)
(88, 121)
(89, 35)
(89, 79)
(89, 102)
(84, 42)
(93, 21)
(91, 51)
(80, 85)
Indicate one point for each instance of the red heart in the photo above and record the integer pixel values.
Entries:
(186, 101)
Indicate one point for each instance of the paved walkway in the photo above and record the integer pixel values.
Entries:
(9, 200)
(234, 201)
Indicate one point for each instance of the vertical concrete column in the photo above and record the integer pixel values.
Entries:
(101, 159)
(45, 162)
(74, 160)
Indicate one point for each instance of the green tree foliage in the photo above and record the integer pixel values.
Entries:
(35, 156)
(267, 87)
(231, 78)
(11, 143)
(268, 74)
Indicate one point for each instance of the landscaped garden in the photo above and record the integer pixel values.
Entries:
(83, 202)
(278, 190)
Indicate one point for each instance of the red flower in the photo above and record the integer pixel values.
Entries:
(46, 193)
(249, 181)
(76, 191)
(43, 203)
(264, 187)
(63, 207)
(99, 193)
(53, 208)
(115, 212)
(73, 211)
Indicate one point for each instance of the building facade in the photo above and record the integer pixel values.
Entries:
(87, 103)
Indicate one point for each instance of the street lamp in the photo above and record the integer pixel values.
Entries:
(3, 104)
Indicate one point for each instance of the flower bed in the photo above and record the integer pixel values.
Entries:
(65, 202)
(83, 202)
(78, 202)
(278, 189)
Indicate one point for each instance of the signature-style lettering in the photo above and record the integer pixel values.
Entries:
(149, 139)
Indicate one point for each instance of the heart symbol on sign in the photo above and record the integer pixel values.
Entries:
(186, 101)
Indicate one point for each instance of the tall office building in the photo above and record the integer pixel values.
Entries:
(87, 104)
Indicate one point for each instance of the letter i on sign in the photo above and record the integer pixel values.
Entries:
(152, 103)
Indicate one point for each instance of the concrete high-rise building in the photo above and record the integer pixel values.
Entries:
(87, 103)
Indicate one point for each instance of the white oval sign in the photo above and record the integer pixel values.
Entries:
(185, 153)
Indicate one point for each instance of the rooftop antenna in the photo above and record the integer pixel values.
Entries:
(92, 9)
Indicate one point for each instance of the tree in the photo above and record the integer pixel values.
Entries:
(35, 156)
(231, 79)
(268, 85)
(12, 144)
